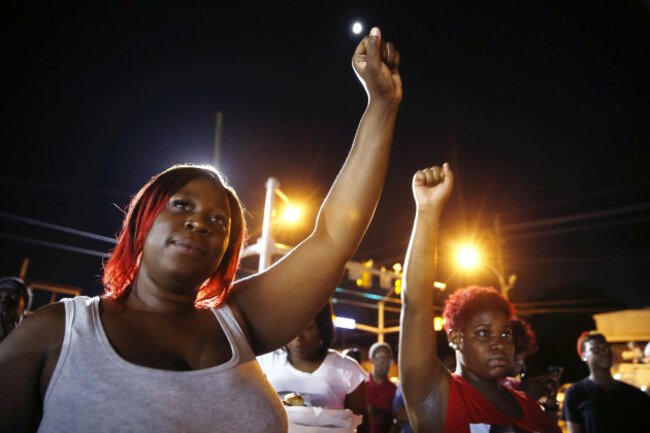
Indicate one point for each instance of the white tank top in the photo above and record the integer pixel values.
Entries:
(93, 389)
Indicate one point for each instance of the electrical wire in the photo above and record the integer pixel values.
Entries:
(58, 228)
(577, 217)
(55, 245)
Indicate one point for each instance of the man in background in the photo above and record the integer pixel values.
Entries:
(380, 391)
(15, 298)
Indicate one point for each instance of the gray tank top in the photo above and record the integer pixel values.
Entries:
(93, 389)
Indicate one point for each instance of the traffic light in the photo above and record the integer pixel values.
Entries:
(398, 286)
(366, 277)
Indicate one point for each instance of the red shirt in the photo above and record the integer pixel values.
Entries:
(381, 396)
(467, 406)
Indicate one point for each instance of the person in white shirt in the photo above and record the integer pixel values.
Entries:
(323, 376)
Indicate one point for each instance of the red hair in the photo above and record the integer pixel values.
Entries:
(586, 337)
(122, 267)
(523, 337)
(466, 302)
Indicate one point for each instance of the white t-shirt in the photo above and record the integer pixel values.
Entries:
(337, 376)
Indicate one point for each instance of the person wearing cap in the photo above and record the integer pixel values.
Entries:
(380, 391)
(15, 299)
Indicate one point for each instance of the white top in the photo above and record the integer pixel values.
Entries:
(94, 389)
(336, 377)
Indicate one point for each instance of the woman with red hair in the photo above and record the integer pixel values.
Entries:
(171, 345)
(477, 321)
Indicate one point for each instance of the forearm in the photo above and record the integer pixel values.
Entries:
(420, 264)
(419, 368)
(351, 202)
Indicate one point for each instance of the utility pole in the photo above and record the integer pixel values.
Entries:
(266, 243)
(217, 140)
(505, 283)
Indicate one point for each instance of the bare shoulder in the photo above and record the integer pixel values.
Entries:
(40, 330)
(233, 303)
(27, 358)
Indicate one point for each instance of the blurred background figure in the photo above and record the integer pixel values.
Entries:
(633, 353)
(525, 344)
(380, 391)
(542, 388)
(15, 299)
(600, 403)
(323, 376)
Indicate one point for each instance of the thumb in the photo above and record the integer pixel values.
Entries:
(449, 175)
(374, 46)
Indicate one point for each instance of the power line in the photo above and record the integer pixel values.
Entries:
(584, 197)
(577, 217)
(65, 187)
(579, 260)
(576, 229)
(58, 228)
(55, 245)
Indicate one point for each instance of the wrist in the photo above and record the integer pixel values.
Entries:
(432, 210)
(387, 104)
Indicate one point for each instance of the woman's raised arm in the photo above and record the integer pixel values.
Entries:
(424, 380)
(277, 303)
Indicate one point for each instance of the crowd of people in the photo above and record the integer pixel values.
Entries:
(176, 344)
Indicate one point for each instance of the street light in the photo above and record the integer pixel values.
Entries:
(468, 257)
(266, 245)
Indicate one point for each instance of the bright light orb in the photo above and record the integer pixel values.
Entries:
(357, 28)
(291, 214)
(467, 257)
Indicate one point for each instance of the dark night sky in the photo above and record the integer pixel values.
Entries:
(541, 108)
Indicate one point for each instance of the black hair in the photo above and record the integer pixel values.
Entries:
(325, 327)
(18, 285)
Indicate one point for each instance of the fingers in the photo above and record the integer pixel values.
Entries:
(433, 176)
(389, 55)
(374, 50)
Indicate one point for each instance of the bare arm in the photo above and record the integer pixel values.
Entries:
(27, 359)
(278, 303)
(425, 382)
(356, 402)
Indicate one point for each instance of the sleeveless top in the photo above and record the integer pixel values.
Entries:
(93, 389)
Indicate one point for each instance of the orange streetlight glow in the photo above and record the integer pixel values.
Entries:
(468, 257)
(291, 214)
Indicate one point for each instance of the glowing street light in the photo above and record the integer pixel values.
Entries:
(467, 257)
(291, 214)
(266, 245)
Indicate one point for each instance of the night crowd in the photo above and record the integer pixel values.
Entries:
(175, 344)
